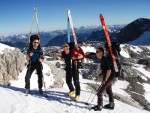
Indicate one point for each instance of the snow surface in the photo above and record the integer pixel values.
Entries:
(136, 49)
(144, 39)
(147, 91)
(13, 100)
(3, 47)
(88, 49)
(142, 70)
(120, 86)
(124, 52)
(145, 85)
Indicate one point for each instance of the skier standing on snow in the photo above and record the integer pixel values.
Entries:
(77, 57)
(67, 56)
(71, 56)
(107, 74)
(35, 58)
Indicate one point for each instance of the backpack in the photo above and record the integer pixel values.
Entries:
(116, 51)
(71, 46)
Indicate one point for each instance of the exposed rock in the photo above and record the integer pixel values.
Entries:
(12, 63)
(59, 75)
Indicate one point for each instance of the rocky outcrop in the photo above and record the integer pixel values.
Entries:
(12, 63)
(59, 75)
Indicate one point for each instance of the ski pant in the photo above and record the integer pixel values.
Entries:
(108, 87)
(30, 70)
(73, 74)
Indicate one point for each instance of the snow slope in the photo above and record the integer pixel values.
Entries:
(88, 49)
(13, 100)
(3, 47)
(124, 52)
(144, 39)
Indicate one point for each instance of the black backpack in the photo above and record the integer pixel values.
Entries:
(71, 45)
(116, 51)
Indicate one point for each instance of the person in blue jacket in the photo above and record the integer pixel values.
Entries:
(34, 57)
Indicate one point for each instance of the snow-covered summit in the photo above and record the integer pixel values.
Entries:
(13, 100)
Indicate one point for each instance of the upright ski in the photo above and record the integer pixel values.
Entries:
(72, 27)
(109, 42)
(68, 25)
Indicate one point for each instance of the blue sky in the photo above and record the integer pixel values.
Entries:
(16, 15)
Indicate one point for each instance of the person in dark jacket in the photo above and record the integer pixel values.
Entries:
(107, 74)
(71, 56)
(34, 57)
(66, 55)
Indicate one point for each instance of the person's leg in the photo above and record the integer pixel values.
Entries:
(111, 96)
(76, 81)
(100, 96)
(28, 76)
(39, 69)
(69, 79)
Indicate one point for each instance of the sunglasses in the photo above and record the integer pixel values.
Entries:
(65, 46)
(36, 42)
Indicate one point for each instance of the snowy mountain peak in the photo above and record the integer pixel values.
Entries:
(134, 30)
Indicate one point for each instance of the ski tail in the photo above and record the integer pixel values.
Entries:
(109, 42)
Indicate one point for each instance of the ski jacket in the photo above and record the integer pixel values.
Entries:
(106, 65)
(37, 53)
(67, 58)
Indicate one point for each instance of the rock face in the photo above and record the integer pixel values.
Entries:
(12, 63)
(59, 75)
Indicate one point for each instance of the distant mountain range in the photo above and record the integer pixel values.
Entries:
(15, 40)
(86, 34)
(136, 33)
(57, 37)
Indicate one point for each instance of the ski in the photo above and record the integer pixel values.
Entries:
(68, 29)
(109, 42)
(35, 93)
(72, 27)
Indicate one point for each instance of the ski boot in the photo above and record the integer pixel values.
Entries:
(70, 93)
(97, 108)
(111, 105)
(76, 98)
(27, 91)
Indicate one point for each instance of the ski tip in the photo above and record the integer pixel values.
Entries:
(101, 17)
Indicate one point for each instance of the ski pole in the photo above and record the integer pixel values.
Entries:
(94, 96)
(97, 92)
(90, 95)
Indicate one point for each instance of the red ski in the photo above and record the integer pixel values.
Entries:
(109, 42)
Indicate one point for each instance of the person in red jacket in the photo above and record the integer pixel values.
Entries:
(77, 57)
